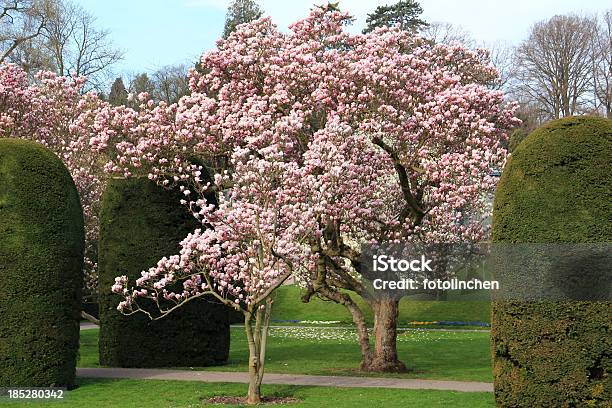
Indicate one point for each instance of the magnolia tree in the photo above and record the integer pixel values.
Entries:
(318, 142)
(250, 244)
(45, 112)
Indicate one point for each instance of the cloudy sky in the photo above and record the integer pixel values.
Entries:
(155, 33)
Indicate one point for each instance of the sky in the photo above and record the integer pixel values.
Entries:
(156, 33)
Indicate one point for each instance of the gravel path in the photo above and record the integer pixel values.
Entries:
(286, 379)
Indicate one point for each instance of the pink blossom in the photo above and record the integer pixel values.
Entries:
(317, 141)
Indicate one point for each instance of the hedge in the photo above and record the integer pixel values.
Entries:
(555, 188)
(516, 137)
(141, 223)
(41, 267)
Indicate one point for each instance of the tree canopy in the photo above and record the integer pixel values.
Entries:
(404, 13)
(240, 12)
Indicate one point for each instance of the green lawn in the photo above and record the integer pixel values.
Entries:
(288, 306)
(330, 351)
(318, 351)
(153, 393)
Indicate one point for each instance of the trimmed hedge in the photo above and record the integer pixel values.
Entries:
(41, 267)
(141, 223)
(555, 188)
(516, 137)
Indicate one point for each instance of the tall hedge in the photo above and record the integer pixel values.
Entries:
(516, 137)
(141, 223)
(41, 264)
(556, 187)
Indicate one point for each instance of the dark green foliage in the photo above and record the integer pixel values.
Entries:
(405, 13)
(516, 137)
(41, 267)
(118, 94)
(140, 224)
(240, 12)
(167, 84)
(142, 83)
(555, 188)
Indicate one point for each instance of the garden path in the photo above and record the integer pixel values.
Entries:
(286, 379)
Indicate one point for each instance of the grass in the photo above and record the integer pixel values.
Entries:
(318, 351)
(463, 356)
(288, 306)
(127, 393)
(88, 349)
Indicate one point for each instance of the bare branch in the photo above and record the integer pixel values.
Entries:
(554, 65)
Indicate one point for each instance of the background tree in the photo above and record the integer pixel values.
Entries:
(167, 84)
(602, 65)
(138, 84)
(447, 33)
(555, 67)
(32, 56)
(502, 58)
(79, 48)
(530, 114)
(118, 94)
(239, 12)
(170, 83)
(404, 13)
(22, 21)
(141, 83)
(58, 36)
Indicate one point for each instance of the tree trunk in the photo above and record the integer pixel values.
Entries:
(385, 358)
(359, 320)
(257, 339)
(362, 335)
(90, 318)
(254, 393)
